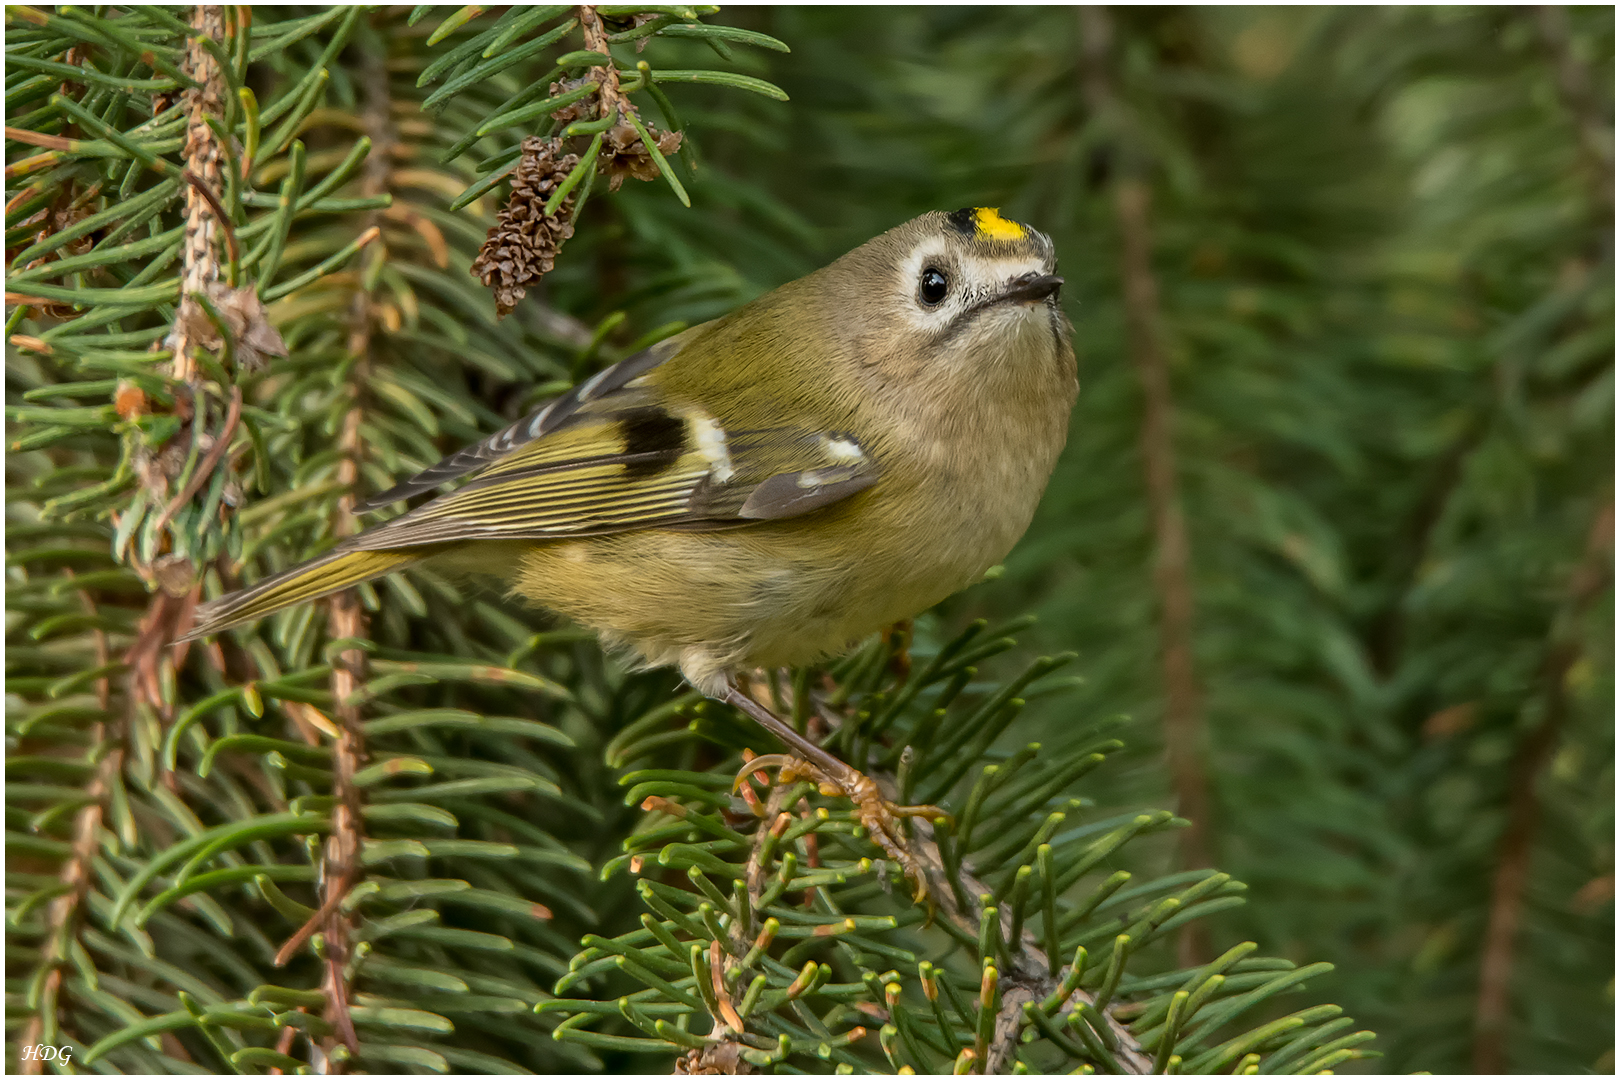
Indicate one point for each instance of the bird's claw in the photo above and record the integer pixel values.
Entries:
(785, 764)
(880, 817)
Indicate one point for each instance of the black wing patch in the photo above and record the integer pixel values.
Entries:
(544, 420)
(653, 441)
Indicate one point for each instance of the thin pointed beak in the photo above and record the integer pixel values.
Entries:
(1032, 288)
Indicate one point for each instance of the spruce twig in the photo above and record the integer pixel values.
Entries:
(787, 962)
(1028, 979)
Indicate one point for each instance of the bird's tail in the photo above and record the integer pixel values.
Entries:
(307, 581)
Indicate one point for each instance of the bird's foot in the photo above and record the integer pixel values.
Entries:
(881, 818)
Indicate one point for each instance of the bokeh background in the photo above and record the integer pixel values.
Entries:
(1377, 249)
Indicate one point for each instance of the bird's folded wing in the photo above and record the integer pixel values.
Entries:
(626, 461)
(545, 420)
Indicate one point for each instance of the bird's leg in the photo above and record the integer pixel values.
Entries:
(880, 817)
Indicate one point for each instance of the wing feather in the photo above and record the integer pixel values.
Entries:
(522, 510)
(616, 454)
(545, 420)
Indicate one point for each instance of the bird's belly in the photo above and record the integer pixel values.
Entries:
(771, 594)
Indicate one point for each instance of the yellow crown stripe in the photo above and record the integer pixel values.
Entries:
(992, 226)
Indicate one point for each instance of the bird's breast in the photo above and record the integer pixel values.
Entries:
(980, 463)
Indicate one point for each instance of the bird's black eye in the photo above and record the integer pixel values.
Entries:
(934, 285)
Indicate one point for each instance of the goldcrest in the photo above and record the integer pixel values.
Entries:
(766, 489)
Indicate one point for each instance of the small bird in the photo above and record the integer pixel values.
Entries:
(766, 489)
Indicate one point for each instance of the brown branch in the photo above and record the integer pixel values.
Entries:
(166, 617)
(334, 896)
(1524, 807)
(723, 1054)
(200, 272)
(1171, 578)
(345, 618)
(284, 1043)
(1184, 729)
(609, 96)
(222, 217)
(161, 623)
(204, 160)
(774, 819)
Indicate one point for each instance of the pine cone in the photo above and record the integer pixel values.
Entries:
(522, 247)
(624, 155)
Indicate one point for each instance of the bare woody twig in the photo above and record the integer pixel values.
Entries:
(609, 96)
(345, 618)
(205, 161)
(144, 658)
(1184, 726)
(1184, 730)
(1587, 581)
(222, 217)
(341, 866)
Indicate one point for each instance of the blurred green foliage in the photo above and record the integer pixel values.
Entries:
(1384, 245)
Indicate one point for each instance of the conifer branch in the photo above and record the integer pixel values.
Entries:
(794, 975)
(206, 763)
(1028, 979)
